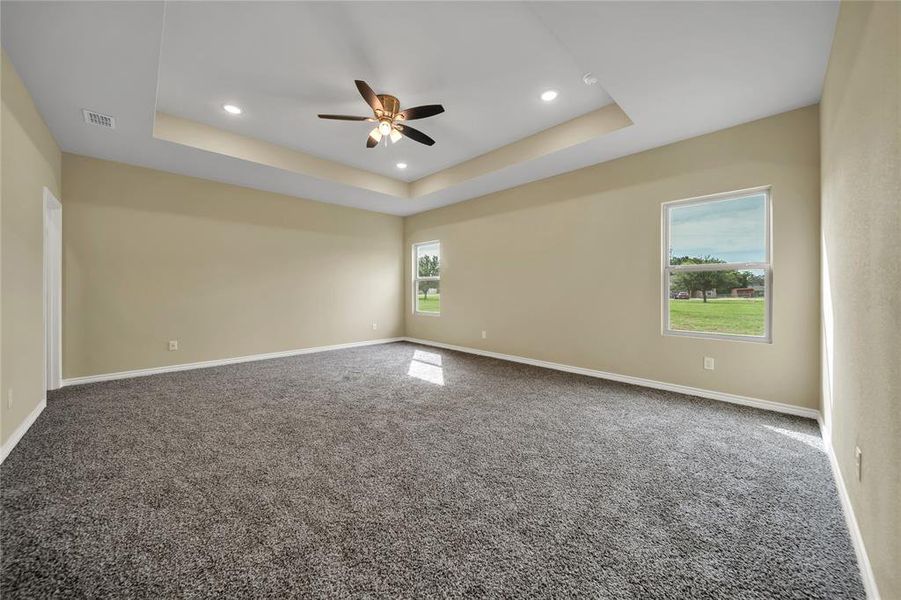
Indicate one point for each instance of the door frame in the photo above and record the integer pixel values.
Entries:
(53, 291)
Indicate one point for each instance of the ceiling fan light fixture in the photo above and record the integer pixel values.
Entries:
(375, 134)
(385, 127)
(395, 136)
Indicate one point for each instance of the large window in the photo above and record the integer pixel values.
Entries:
(427, 278)
(717, 278)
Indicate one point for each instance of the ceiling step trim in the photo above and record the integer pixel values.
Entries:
(576, 131)
(204, 137)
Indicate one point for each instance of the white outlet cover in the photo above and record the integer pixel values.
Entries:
(709, 363)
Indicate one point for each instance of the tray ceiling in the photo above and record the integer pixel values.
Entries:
(672, 70)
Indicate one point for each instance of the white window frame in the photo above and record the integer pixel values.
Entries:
(417, 278)
(766, 266)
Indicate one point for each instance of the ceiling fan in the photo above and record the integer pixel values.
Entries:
(390, 119)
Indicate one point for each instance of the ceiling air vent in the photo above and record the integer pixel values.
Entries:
(95, 118)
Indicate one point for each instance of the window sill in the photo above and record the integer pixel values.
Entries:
(719, 336)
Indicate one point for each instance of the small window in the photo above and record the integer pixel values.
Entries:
(717, 278)
(427, 278)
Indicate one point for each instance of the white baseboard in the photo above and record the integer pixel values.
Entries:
(23, 427)
(790, 409)
(660, 385)
(219, 362)
(863, 560)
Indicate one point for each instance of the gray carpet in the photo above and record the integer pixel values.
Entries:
(355, 473)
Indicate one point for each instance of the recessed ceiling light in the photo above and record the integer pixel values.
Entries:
(401, 165)
(232, 109)
(549, 95)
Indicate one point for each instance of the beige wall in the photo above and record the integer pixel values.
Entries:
(31, 161)
(861, 213)
(582, 253)
(227, 271)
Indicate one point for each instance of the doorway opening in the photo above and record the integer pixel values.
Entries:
(53, 290)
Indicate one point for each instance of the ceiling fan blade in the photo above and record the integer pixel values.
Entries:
(346, 118)
(421, 112)
(369, 96)
(415, 134)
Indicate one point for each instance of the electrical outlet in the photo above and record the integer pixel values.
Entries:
(484, 335)
(9, 398)
(173, 345)
(375, 326)
(858, 460)
(708, 363)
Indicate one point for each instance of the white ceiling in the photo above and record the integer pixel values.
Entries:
(677, 69)
(286, 62)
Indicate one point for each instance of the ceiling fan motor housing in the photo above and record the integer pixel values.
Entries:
(391, 105)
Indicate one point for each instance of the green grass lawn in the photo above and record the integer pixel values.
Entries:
(430, 304)
(744, 316)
